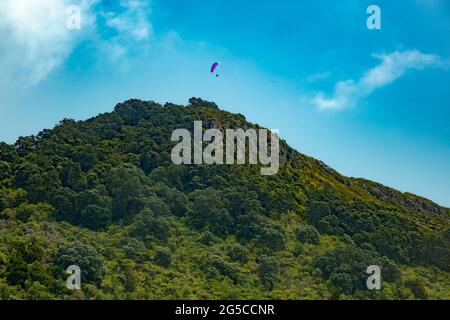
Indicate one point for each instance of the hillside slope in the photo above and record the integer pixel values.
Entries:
(103, 194)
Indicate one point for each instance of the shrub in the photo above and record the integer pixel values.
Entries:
(216, 265)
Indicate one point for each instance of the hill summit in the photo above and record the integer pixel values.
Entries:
(103, 194)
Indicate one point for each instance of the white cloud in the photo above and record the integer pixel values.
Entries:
(35, 40)
(131, 28)
(392, 66)
(131, 23)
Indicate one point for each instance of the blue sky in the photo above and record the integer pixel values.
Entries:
(370, 103)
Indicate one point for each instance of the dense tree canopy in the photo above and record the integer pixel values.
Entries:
(103, 194)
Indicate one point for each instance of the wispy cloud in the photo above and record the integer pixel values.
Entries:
(392, 66)
(126, 28)
(132, 22)
(318, 76)
(35, 40)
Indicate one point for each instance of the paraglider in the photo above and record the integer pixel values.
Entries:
(214, 66)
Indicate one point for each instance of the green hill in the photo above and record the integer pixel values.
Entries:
(103, 194)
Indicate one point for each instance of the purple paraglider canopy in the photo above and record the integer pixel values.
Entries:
(214, 66)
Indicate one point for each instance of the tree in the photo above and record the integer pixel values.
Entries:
(272, 237)
(5, 170)
(307, 234)
(125, 185)
(84, 256)
(16, 269)
(7, 152)
(177, 201)
(25, 258)
(208, 210)
(345, 266)
(417, 288)
(157, 206)
(71, 176)
(86, 156)
(95, 217)
(35, 211)
(215, 266)
(25, 145)
(200, 103)
(238, 253)
(146, 224)
(268, 271)
(4, 203)
(163, 257)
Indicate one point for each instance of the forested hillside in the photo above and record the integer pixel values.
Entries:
(103, 194)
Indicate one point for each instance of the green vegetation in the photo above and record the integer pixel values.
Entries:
(104, 195)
